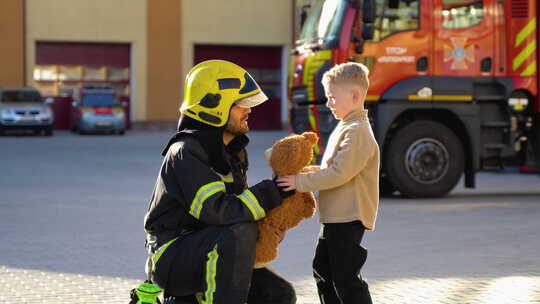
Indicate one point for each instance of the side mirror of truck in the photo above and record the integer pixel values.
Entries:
(368, 31)
(49, 100)
(304, 14)
(368, 11)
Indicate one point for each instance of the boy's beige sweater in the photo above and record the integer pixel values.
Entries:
(348, 181)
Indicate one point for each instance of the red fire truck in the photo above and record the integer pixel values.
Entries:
(454, 84)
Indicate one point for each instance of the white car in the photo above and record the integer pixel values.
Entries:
(24, 108)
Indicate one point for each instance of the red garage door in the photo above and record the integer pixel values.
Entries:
(264, 64)
(62, 67)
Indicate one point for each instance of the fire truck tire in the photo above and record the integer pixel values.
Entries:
(386, 189)
(424, 159)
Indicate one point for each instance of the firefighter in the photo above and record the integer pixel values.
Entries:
(200, 224)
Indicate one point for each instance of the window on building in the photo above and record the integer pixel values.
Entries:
(458, 14)
(395, 16)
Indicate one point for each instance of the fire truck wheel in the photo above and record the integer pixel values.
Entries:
(386, 189)
(424, 159)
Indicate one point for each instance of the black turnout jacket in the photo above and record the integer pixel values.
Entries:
(190, 193)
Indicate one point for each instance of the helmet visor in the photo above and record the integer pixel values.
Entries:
(251, 101)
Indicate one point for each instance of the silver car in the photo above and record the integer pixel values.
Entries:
(24, 108)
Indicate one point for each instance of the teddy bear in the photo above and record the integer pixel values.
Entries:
(288, 156)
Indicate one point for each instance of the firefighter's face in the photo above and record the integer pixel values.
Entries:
(237, 124)
(341, 99)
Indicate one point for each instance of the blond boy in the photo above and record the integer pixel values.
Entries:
(348, 185)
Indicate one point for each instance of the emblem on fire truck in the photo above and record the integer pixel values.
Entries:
(459, 53)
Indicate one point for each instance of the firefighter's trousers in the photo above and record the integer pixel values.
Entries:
(215, 265)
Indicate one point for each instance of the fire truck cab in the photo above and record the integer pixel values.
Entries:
(453, 84)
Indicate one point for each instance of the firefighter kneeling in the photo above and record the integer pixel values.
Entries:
(201, 218)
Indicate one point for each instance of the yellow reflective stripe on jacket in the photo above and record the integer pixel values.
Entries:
(227, 178)
(155, 257)
(204, 192)
(252, 203)
(211, 270)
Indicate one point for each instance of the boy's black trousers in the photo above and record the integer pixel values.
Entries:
(339, 257)
(216, 263)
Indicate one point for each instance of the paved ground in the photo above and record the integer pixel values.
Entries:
(71, 228)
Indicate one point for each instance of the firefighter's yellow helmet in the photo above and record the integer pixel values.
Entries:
(213, 86)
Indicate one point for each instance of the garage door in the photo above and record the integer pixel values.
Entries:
(62, 67)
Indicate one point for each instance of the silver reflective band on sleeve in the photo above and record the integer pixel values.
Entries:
(252, 203)
(204, 192)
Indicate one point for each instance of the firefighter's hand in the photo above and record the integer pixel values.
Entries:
(287, 183)
(280, 234)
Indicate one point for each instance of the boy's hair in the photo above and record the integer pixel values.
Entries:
(348, 73)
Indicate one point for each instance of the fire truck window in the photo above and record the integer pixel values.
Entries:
(395, 16)
(458, 14)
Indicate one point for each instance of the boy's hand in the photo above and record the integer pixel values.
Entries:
(288, 182)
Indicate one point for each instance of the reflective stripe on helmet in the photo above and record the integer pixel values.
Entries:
(202, 194)
(229, 83)
(250, 85)
(252, 203)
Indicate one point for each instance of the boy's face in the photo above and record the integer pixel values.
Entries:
(342, 99)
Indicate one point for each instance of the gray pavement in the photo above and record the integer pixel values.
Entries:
(71, 228)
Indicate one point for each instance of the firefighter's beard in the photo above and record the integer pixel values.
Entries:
(237, 127)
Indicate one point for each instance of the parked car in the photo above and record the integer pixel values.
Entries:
(96, 109)
(25, 108)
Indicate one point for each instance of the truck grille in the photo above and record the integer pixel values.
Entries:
(299, 95)
(520, 8)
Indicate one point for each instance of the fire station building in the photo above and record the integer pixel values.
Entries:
(144, 48)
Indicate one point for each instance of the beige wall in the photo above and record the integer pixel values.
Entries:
(11, 43)
(233, 22)
(121, 21)
(247, 22)
(164, 59)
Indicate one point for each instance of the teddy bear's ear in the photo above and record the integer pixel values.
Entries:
(311, 137)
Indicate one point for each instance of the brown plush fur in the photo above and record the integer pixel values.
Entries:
(288, 156)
